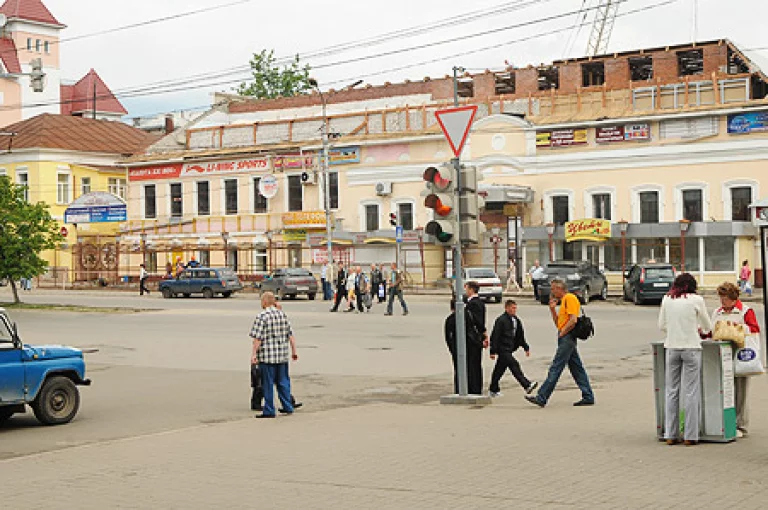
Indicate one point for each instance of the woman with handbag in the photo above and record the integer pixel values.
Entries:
(683, 316)
(733, 311)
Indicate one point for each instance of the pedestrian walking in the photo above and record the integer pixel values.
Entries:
(744, 275)
(272, 338)
(325, 282)
(341, 287)
(351, 288)
(179, 267)
(376, 281)
(474, 340)
(168, 271)
(257, 391)
(382, 289)
(567, 352)
(537, 275)
(683, 317)
(143, 276)
(512, 278)
(363, 291)
(508, 336)
(397, 280)
(476, 309)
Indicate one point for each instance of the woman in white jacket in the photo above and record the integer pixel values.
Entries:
(683, 314)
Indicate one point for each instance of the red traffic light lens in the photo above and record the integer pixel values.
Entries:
(432, 175)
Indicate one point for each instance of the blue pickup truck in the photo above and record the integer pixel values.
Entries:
(42, 377)
(202, 280)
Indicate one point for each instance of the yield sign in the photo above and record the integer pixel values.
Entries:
(456, 123)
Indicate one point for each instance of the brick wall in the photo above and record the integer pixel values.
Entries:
(570, 77)
(714, 57)
(485, 85)
(527, 81)
(617, 73)
(665, 66)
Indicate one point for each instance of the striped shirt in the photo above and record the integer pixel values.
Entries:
(273, 330)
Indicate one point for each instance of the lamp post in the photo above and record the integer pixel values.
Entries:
(624, 226)
(117, 258)
(225, 238)
(684, 225)
(495, 240)
(269, 251)
(143, 237)
(551, 234)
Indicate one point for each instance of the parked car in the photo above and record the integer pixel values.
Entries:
(44, 378)
(202, 280)
(290, 282)
(583, 279)
(487, 279)
(648, 282)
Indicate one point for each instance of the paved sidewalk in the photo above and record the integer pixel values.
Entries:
(508, 455)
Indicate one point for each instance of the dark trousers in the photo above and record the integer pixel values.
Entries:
(341, 293)
(143, 287)
(504, 361)
(383, 295)
(327, 292)
(359, 299)
(474, 372)
(535, 284)
(276, 374)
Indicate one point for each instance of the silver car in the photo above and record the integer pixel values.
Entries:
(290, 282)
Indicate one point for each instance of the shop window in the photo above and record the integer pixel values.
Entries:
(612, 255)
(405, 216)
(549, 78)
(295, 193)
(85, 185)
(593, 74)
(718, 253)
(690, 63)
(233, 259)
(203, 198)
(641, 68)
(505, 83)
(230, 196)
(371, 217)
(691, 253)
(260, 203)
(560, 210)
(466, 87)
(569, 251)
(333, 184)
(741, 198)
(601, 206)
(693, 204)
(259, 260)
(150, 202)
(151, 263)
(651, 249)
(177, 205)
(62, 189)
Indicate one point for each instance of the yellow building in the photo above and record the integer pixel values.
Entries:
(63, 159)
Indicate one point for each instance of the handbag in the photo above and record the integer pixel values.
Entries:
(584, 327)
(729, 331)
(747, 360)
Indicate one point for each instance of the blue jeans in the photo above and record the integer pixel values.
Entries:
(327, 291)
(399, 293)
(566, 354)
(276, 374)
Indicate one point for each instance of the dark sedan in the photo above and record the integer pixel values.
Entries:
(583, 279)
(290, 282)
(648, 282)
(202, 280)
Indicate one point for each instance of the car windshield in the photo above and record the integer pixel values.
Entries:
(298, 272)
(5, 334)
(659, 272)
(481, 273)
(561, 269)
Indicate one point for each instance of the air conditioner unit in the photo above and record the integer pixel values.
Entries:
(308, 178)
(383, 188)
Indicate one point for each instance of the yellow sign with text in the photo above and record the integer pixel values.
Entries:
(587, 230)
(304, 220)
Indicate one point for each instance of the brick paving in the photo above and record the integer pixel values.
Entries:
(508, 455)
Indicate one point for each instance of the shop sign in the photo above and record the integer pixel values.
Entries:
(295, 235)
(340, 253)
(625, 133)
(634, 132)
(344, 155)
(587, 230)
(268, 186)
(755, 122)
(96, 214)
(151, 173)
(199, 169)
(293, 161)
(561, 138)
(609, 134)
(304, 220)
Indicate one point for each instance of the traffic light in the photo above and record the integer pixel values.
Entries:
(37, 76)
(393, 219)
(472, 228)
(441, 188)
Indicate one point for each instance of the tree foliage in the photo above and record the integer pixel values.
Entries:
(26, 230)
(271, 81)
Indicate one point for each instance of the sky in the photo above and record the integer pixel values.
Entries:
(208, 43)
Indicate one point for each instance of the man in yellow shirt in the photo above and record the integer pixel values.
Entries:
(567, 353)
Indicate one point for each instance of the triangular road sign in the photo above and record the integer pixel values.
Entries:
(456, 123)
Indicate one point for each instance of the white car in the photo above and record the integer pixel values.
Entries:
(487, 279)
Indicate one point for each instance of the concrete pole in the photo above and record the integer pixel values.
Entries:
(326, 183)
(461, 329)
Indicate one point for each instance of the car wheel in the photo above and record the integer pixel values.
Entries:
(227, 294)
(167, 294)
(279, 294)
(636, 299)
(497, 299)
(186, 294)
(544, 301)
(604, 292)
(585, 295)
(207, 293)
(311, 296)
(5, 415)
(57, 402)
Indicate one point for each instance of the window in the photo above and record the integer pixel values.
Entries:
(117, 187)
(204, 256)
(693, 204)
(691, 253)
(47, 47)
(85, 185)
(203, 199)
(150, 201)
(177, 204)
(22, 179)
(612, 256)
(37, 45)
(505, 83)
(371, 217)
(641, 68)
(593, 74)
(230, 196)
(62, 189)
(465, 87)
(405, 215)
(549, 78)
(232, 259)
(601, 206)
(649, 206)
(560, 213)
(151, 262)
(740, 199)
(651, 249)
(260, 203)
(29, 44)
(690, 62)
(295, 193)
(718, 254)
(333, 184)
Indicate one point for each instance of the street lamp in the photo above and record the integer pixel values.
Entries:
(270, 234)
(225, 238)
(624, 226)
(684, 225)
(551, 234)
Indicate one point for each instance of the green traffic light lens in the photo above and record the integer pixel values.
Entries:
(444, 237)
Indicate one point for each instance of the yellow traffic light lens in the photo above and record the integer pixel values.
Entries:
(434, 202)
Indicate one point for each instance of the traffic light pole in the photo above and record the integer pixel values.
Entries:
(458, 279)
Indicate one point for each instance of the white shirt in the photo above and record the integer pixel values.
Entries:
(324, 272)
(537, 273)
(681, 319)
(143, 273)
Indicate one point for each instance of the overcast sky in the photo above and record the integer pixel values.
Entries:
(225, 39)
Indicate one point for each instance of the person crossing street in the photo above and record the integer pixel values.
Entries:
(397, 280)
(341, 287)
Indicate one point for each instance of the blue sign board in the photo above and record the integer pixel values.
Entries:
(399, 233)
(96, 214)
(754, 122)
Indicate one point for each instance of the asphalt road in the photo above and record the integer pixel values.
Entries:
(185, 362)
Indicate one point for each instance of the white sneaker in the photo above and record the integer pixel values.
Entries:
(495, 394)
(533, 386)
(740, 433)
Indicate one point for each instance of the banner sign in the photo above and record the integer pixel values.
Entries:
(293, 161)
(304, 220)
(152, 173)
(200, 169)
(626, 133)
(609, 134)
(340, 254)
(633, 132)
(587, 230)
(754, 122)
(268, 186)
(343, 155)
(96, 214)
(561, 138)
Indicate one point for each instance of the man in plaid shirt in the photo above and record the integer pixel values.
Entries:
(272, 336)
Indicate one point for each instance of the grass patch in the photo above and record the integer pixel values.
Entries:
(70, 308)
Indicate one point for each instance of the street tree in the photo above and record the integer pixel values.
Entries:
(26, 230)
(270, 80)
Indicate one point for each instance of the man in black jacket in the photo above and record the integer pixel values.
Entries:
(474, 342)
(508, 336)
(341, 287)
(475, 307)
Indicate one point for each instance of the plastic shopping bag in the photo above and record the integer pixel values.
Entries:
(747, 361)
